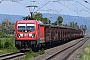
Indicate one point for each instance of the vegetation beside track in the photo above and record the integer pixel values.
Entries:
(85, 55)
(30, 54)
(7, 45)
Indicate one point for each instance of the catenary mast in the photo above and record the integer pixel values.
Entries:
(31, 8)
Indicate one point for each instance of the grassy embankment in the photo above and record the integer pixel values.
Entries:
(7, 45)
(32, 54)
(85, 55)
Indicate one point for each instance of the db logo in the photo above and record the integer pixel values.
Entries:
(25, 35)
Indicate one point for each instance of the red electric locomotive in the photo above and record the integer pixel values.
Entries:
(28, 33)
(31, 33)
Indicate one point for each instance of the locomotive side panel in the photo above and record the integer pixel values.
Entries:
(42, 39)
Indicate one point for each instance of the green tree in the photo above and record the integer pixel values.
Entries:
(59, 20)
(2, 34)
(66, 25)
(46, 21)
(11, 28)
(7, 26)
(38, 16)
(27, 18)
(72, 24)
(76, 26)
(0, 27)
(83, 27)
(55, 23)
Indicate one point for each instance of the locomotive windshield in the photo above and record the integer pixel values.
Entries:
(30, 27)
(26, 27)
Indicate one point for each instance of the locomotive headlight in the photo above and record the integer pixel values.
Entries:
(19, 36)
(32, 35)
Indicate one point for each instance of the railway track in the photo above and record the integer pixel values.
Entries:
(12, 56)
(65, 53)
(62, 52)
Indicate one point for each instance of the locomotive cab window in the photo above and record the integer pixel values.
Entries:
(26, 27)
(30, 27)
(21, 27)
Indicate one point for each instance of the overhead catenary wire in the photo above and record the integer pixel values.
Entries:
(77, 9)
(19, 2)
(43, 6)
(83, 5)
(71, 8)
(83, 18)
(14, 1)
(85, 22)
(86, 1)
(65, 5)
(53, 6)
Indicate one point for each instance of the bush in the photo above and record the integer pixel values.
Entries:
(2, 34)
(7, 44)
(41, 52)
(1, 46)
(30, 51)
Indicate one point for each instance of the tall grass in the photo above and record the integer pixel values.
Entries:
(6, 42)
(7, 45)
(30, 54)
(85, 55)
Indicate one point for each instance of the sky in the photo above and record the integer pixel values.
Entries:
(77, 8)
(66, 7)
